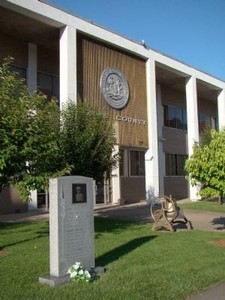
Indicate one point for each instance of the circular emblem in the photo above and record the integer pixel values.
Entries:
(114, 88)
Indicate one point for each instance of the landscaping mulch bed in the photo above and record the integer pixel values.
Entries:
(219, 243)
(2, 253)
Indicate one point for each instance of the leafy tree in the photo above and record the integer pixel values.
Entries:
(87, 140)
(205, 137)
(29, 131)
(207, 166)
(38, 142)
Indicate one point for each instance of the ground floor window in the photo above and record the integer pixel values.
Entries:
(42, 199)
(132, 162)
(175, 164)
(20, 71)
(48, 84)
(137, 163)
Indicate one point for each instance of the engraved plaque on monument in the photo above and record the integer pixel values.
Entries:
(71, 226)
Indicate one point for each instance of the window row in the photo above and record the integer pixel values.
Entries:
(47, 83)
(176, 117)
(132, 163)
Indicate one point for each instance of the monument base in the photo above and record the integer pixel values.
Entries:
(53, 280)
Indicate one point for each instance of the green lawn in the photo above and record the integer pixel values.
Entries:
(204, 205)
(140, 264)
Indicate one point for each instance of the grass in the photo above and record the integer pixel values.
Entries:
(140, 264)
(205, 205)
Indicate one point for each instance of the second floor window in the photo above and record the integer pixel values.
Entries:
(206, 122)
(175, 117)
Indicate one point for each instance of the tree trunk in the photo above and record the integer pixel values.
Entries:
(221, 199)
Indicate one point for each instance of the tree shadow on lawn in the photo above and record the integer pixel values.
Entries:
(115, 254)
(219, 221)
(138, 214)
(111, 225)
(23, 228)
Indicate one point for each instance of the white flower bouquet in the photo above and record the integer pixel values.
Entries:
(78, 273)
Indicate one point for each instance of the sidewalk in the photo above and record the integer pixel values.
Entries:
(138, 212)
(25, 217)
(216, 292)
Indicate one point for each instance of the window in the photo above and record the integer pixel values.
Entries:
(175, 164)
(137, 163)
(175, 117)
(121, 162)
(21, 72)
(48, 84)
(206, 122)
(132, 163)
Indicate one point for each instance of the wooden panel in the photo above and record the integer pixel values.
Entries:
(133, 189)
(93, 58)
(15, 48)
(173, 97)
(177, 186)
(175, 141)
(207, 107)
(10, 202)
(47, 60)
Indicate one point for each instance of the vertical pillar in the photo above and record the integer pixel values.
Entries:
(116, 193)
(32, 86)
(151, 156)
(32, 68)
(192, 124)
(221, 109)
(161, 139)
(68, 65)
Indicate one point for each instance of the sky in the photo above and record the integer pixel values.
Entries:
(191, 31)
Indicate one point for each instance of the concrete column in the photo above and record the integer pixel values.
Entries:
(116, 193)
(68, 65)
(160, 123)
(32, 68)
(151, 156)
(221, 109)
(32, 87)
(192, 124)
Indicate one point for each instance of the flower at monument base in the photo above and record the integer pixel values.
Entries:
(78, 273)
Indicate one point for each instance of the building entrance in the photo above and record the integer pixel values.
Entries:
(103, 191)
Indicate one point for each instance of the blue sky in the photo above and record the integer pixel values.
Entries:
(192, 31)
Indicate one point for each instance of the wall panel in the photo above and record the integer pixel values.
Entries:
(93, 58)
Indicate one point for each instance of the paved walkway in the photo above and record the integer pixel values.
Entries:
(201, 220)
(211, 221)
(139, 212)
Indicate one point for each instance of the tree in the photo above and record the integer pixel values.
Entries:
(207, 166)
(205, 137)
(29, 131)
(38, 142)
(87, 140)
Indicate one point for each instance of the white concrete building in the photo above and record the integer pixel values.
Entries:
(158, 104)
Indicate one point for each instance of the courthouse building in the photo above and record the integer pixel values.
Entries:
(157, 104)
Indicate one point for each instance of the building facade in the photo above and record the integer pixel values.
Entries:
(157, 104)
